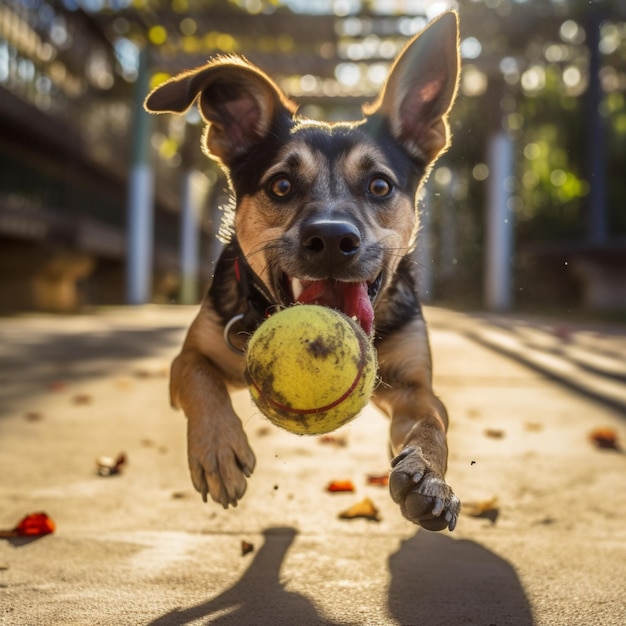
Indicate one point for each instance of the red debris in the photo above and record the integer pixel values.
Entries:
(336, 486)
(33, 525)
(379, 480)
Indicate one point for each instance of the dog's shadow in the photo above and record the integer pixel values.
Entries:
(434, 580)
(258, 597)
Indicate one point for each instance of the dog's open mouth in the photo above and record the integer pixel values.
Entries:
(354, 299)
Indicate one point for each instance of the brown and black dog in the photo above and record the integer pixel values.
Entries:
(325, 214)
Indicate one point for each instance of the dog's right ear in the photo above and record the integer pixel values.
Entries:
(236, 99)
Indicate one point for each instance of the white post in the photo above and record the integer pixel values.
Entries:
(424, 249)
(193, 194)
(140, 197)
(140, 233)
(448, 239)
(499, 225)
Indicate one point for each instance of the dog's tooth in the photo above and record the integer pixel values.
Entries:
(296, 288)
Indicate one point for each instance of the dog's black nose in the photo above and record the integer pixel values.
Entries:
(331, 241)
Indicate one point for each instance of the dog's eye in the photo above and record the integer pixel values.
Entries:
(280, 187)
(380, 187)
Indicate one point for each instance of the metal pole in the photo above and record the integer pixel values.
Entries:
(140, 197)
(499, 226)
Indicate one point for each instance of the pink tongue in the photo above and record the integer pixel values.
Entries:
(350, 298)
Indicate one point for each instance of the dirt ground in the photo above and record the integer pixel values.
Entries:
(141, 548)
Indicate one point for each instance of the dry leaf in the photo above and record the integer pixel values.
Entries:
(334, 440)
(246, 548)
(33, 525)
(56, 385)
(33, 416)
(562, 332)
(533, 427)
(379, 480)
(486, 509)
(158, 372)
(494, 433)
(337, 486)
(108, 466)
(365, 508)
(82, 398)
(605, 438)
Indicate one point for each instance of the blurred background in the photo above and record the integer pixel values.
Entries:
(101, 204)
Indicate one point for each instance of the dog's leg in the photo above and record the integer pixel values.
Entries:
(220, 458)
(419, 422)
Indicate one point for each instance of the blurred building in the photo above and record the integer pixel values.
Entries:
(65, 117)
(546, 76)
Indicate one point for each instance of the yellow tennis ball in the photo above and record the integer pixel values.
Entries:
(310, 369)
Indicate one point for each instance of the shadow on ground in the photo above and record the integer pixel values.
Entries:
(434, 580)
(439, 580)
(258, 597)
(52, 356)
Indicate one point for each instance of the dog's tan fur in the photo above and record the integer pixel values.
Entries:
(366, 183)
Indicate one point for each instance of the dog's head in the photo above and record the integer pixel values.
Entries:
(325, 212)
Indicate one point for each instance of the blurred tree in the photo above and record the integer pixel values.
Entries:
(552, 73)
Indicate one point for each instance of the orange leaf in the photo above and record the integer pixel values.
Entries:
(365, 508)
(487, 509)
(605, 438)
(340, 485)
(246, 547)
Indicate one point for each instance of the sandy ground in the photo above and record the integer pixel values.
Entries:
(141, 548)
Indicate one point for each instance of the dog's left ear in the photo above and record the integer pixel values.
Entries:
(420, 89)
(236, 99)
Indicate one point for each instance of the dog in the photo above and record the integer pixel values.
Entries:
(324, 214)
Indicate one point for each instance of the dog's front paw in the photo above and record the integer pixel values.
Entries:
(423, 496)
(220, 460)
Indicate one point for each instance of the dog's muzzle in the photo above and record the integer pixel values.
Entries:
(327, 267)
